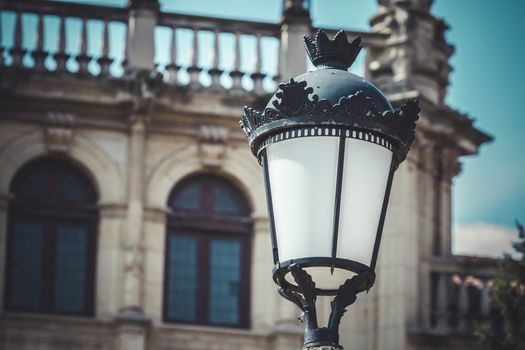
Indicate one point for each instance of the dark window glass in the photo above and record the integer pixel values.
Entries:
(225, 276)
(182, 281)
(189, 198)
(51, 240)
(71, 188)
(26, 265)
(208, 254)
(223, 202)
(70, 264)
(32, 186)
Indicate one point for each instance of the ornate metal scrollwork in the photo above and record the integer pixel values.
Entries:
(296, 103)
(306, 299)
(323, 51)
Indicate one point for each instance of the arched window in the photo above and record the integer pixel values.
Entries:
(207, 272)
(51, 240)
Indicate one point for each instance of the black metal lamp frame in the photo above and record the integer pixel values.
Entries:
(296, 112)
(304, 292)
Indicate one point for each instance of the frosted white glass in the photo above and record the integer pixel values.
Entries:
(365, 175)
(302, 177)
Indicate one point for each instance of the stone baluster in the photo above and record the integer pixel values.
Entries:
(236, 73)
(485, 300)
(60, 56)
(104, 61)
(1, 46)
(442, 304)
(39, 54)
(194, 70)
(257, 76)
(172, 68)
(463, 306)
(125, 62)
(277, 76)
(215, 72)
(17, 52)
(82, 58)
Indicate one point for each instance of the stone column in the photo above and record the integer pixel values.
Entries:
(295, 23)
(132, 234)
(112, 225)
(426, 216)
(140, 46)
(451, 167)
(397, 270)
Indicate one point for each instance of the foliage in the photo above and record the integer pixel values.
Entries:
(506, 329)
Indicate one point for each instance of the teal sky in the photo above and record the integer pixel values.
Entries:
(486, 84)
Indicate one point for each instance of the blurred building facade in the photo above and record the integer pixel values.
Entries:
(132, 213)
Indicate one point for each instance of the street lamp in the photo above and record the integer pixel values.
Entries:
(329, 142)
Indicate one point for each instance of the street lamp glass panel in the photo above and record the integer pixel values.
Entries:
(302, 178)
(365, 176)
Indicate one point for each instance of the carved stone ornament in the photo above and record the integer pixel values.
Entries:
(212, 145)
(295, 107)
(58, 131)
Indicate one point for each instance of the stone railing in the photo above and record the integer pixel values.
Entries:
(460, 296)
(50, 36)
(106, 42)
(219, 58)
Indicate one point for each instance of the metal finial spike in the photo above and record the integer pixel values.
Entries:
(337, 53)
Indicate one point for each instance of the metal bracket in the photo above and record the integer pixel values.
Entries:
(315, 336)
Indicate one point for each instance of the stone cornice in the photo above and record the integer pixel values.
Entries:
(446, 125)
(110, 98)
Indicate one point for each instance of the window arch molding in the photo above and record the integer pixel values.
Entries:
(208, 253)
(51, 239)
(184, 161)
(25, 148)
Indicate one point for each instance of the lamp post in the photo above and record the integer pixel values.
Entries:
(329, 142)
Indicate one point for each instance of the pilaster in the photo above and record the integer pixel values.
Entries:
(133, 229)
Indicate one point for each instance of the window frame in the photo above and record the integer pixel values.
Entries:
(51, 215)
(205, 226)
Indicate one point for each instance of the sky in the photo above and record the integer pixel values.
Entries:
(486, 84)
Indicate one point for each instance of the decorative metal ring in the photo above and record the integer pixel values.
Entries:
(330, 131)
(281, 269)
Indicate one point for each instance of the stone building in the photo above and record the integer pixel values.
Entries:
(132, 213)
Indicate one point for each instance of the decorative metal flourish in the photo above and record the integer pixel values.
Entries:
(296, 102)
(294, 98)
(346, 296)
(337, 52)
(306, 298)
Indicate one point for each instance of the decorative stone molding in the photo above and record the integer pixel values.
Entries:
(112, 210)
(59, 131)
(238, 165)
(212, 145)
(156, 214)
(25, 147)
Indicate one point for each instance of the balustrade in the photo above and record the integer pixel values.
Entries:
(240, 56)
(460, 295)
(47, 12)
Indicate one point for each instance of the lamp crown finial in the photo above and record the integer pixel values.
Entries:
(336, 53)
